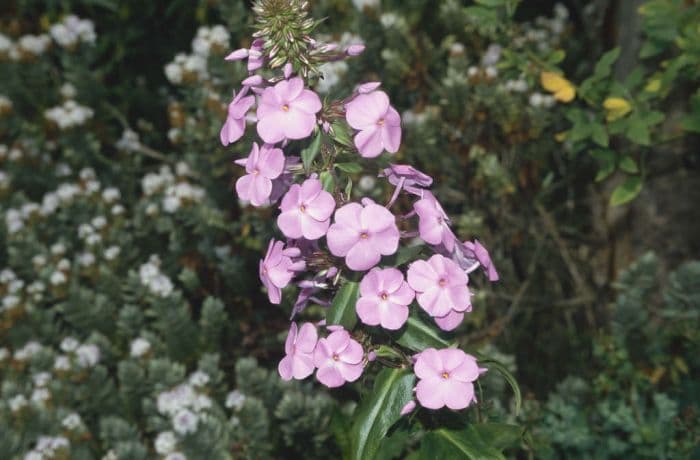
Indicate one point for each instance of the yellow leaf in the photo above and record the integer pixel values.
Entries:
(562, 88)
(561, 137)
(617, 107)
(653, 86)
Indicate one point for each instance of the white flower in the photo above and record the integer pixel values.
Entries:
(389, 20)
(68, 91)
(27, 351)
(117, 210)
(57, 278)
(41, 379)
(63, 264)
(139, 347)
(173, 72)
(62, 363)
(110, 195)
(235, 400)
(171, 204)
(491, 72)
(16, 403)
(202, 402)
(58, 249)
(4, 353)
(536, 99)
(86, 259)
(129, 141)
(110, 455)
(165, 442)
(112, 252)
(199, 378)
(40, 396)
(99, 222)
(69, 344)
(33, 44)
(88, 355)
(185, 422)
(9, 302)
(362, 4)
(175, 456)
(72, 421)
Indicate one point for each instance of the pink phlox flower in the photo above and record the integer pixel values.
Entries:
(254, 55)
(262, 166)
(450, 321)
(384, 298)
(481, 254)
(440, 285)
(379, 124)
(306, 211)
(299, 349)
(287, 111)
(338, 358)
(433, 222)
(368, 87)
(285, 180)
(355, 50)
(278, 268)
(407, 177)
(362, 234)
(234, 127)
(446, 378)
(408, 408)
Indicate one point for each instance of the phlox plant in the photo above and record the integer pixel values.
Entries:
(389, 265)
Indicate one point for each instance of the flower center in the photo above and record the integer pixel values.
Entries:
(256, 171)
(445, 375)
(302, 208)
(442, 282)
(336, 357)
(384, 296)
(381, 122)
(285, 108)
(364, 235)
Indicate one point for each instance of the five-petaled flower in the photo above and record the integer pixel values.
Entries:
(299, 348)
(433, 223)
(441, 289)
(338, 358)
(234, 127)
(278, 268)
(262, 166)
(306, 211)
(362, 234)
(287, 111)
(446, 378)
(378, 122)
(384, 298)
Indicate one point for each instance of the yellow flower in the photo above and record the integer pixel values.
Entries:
(617, 107)
(653, 85)
(562, 88)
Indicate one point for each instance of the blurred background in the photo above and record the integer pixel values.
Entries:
(129, 270)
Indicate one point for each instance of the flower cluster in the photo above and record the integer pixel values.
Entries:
(72, 31)
(153, 279)
(333, 241)
(188, 68)
(69, 115)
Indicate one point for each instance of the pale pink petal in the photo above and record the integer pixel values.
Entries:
(368, 311)
(376, 218)
(393, 316)
(362, 256)
(350, 372)
(312, 229)
(310, 190)
(291, 198)
(239, 108)
(285, 368)
(450, 321)
(391, 138)
(366, 109)
(429, 393)
(428, 364)
(421, 276)
(261, 189)
(271, 128)
(353, 353)
(404, 295)
(279, 278)
(460, 298)
(288, 90)
(291, 338)
(243, 187)
(392, 279)
(349, 215)
(387, 241)
(467, 371)
(271, 163)
(322, 206)
(457, 395)
(369, 142)
(330, 377)
(231, 131)
(428, 299)
(322, 355)
(290, 223)
(341, 239)
(307, 338)
(308, 102)
(297, 124)
(302, 366)
(274, 294)
(337, 341)
(371, 283)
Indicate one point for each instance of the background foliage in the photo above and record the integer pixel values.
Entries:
(130, 293)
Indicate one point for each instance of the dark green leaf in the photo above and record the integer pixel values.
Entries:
(342, 309)
(327, 181)
(309, 153)
(350, 168)
(626, 191)
(629, 165)
(418, 336)
(603, 67)
(341, 134)
(638, 131)
(606, 161)
(499, 435)
(447, 444)
(492, 364)
(393, 388)
(599, 134)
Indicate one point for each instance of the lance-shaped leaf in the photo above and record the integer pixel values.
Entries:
(379, 411)
(342, 309)
(418, 336)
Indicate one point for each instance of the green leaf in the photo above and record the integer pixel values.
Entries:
(350, 168)
(606, 161)
(418, 336)
(447, 444)
(327, 181)
(348, 188)
(499, 435)
(629, 165)
(556, 57)
(603, 67)
(501, 369)
(491, 3)
(341, 134)
(342, 309)
(599, 134)
(638, 131)
(309, 153)
(626, 191)
(393, 388)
